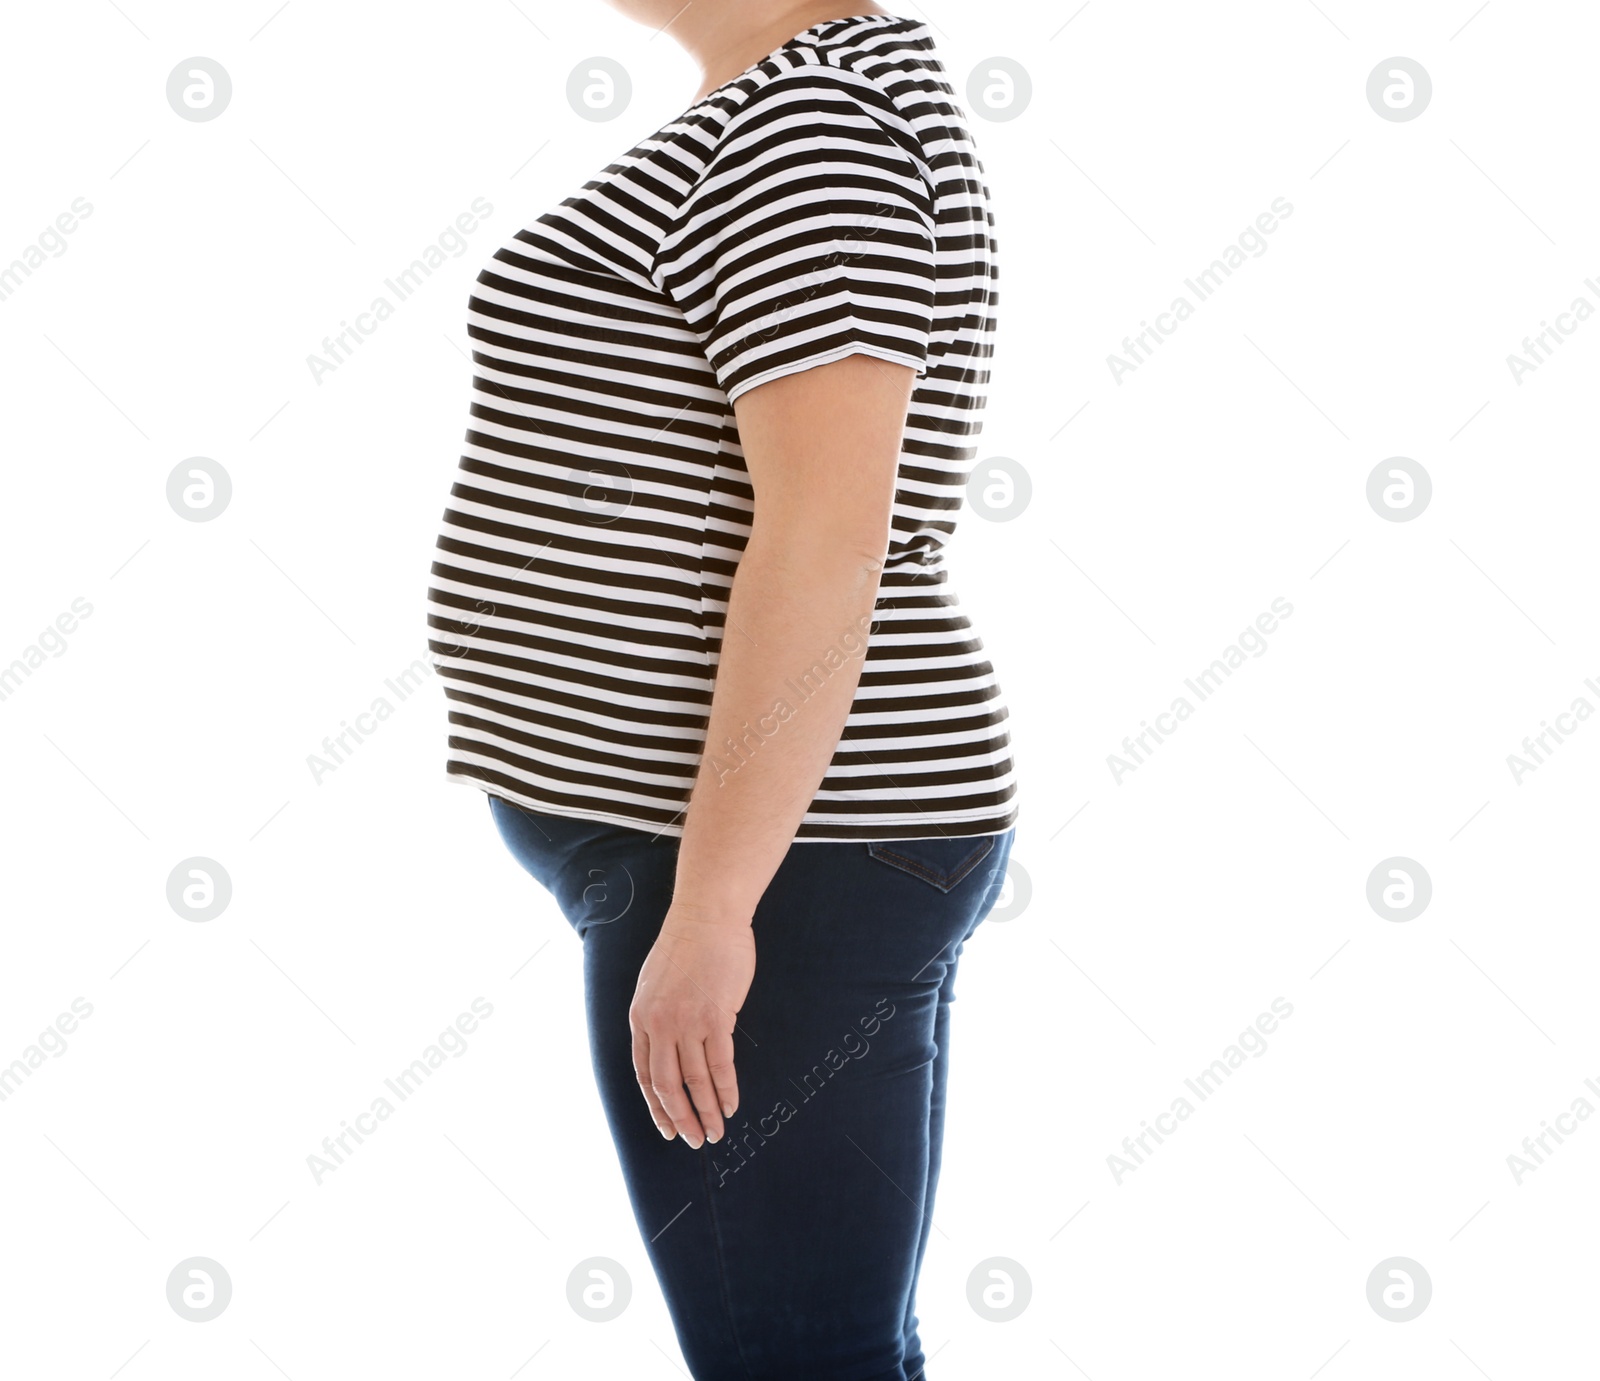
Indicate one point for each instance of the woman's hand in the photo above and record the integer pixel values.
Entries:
(690, 989)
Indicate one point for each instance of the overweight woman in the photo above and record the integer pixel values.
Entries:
(705, 659)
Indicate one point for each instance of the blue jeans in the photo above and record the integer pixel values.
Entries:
(788, 1251)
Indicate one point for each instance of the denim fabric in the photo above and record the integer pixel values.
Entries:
(790, 1250)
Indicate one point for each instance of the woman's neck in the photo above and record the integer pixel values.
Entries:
(727, 36)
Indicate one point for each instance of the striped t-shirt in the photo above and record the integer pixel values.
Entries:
(827, 201)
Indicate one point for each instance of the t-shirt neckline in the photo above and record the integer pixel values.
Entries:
(798, 40)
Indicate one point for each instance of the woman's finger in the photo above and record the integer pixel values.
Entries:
(666, 1077)
(641, 1069)
(719, 1060)
(702, 1091)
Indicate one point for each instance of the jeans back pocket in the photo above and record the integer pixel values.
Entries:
(940, 862)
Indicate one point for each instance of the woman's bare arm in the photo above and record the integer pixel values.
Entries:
(822, 449)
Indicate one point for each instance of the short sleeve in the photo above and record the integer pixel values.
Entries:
(809, 236)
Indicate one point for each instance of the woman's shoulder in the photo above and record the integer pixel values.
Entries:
(886, 68)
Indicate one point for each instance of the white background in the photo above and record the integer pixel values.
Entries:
(1169, 510)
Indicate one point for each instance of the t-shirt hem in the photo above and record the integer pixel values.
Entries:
(810, 832)
(812, 361)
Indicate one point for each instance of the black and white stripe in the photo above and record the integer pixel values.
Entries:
(828, 201)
